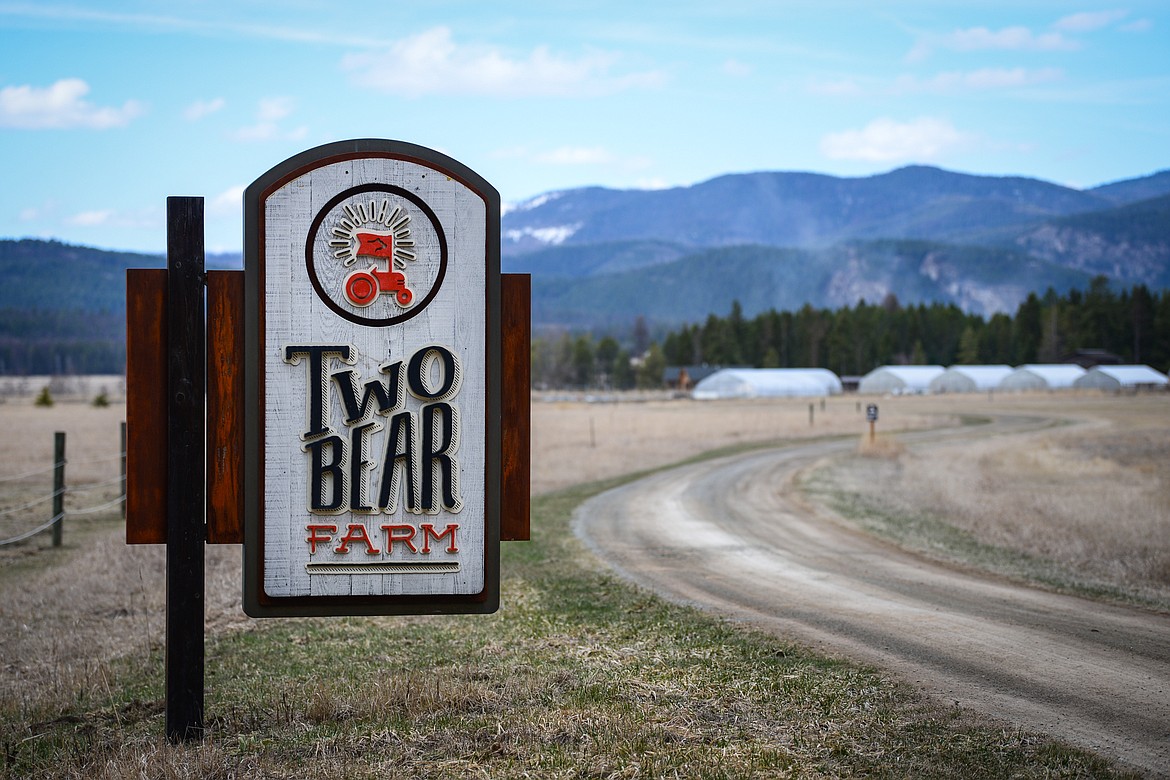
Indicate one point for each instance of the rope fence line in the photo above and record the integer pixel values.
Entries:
(60, 492)
(33, 532)
(30, 504)
(91, 510)
(93, 486)
(47, 469)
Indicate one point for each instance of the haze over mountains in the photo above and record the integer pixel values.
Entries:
(600, 258)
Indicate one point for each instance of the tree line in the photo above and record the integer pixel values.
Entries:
(61, 342)
(1133, 324)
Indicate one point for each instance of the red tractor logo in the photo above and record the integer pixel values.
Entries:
(362, 287)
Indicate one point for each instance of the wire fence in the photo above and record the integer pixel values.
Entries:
(20, 522)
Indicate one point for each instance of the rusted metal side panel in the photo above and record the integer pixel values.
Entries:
(146, 406)
(516, 315)
(225, 407)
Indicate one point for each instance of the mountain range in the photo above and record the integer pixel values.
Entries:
(601, 258)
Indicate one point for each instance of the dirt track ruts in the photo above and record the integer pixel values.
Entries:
(731, 535)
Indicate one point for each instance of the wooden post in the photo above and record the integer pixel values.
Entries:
(516, 409)
(871, 433)
(123, 460)
(58, 485)
(185, 470)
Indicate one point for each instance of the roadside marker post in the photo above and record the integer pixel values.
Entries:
(871, 414)
(398, 357)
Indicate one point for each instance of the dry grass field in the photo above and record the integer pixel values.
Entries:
(1093, 495)
(1084, 505)
(575, 442)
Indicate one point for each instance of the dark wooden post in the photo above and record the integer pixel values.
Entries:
(185, 469)
(58, 485)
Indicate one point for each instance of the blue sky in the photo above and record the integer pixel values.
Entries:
(107, 108)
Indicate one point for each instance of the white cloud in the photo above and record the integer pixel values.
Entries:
(1137, 25)
(274, 109)
(1010, 38)
(576, 155)
(944, 83)
(737, 69)
(982, 79)
(846, 87)
(432, 63)
(269, 113)
(982, 38)
(60, 105)
(216, 27)
(202, 108)
(886, 140)
(228, 202)
(95, 218)
(144, 218)
(1089, 21)
(653, 183)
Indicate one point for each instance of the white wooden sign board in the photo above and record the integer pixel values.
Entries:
(372, 284)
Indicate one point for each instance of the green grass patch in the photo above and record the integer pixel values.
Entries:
(578, 675)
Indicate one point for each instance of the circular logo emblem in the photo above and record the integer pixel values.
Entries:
(376, 254)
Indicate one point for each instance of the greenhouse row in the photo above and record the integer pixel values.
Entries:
(915, 380)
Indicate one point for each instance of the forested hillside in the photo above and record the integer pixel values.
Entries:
(63, 307)
(852, 340)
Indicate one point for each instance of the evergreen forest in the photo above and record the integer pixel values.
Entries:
(1132, 324)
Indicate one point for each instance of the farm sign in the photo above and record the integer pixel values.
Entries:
(372, 361)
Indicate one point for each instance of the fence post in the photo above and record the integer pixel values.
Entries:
(58, 485)
(123, 460)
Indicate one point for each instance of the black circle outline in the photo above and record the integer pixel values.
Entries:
(312, 240)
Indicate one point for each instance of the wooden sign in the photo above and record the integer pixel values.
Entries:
(372, 375)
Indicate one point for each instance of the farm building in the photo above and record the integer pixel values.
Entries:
(1047, 376)
(969, 379)
(768, 383)
(1121, 378)
(899, 380)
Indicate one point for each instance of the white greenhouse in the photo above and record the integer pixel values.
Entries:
(1121, 378)
(969, 379)
(899, 380)
(767, 383)
(1042, 376)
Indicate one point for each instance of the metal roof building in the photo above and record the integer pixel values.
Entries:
(1042, 376)
(1121, 378)
(767, 383)
(969, 379)
(899, 380)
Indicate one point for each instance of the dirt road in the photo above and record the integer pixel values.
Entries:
(731, 536)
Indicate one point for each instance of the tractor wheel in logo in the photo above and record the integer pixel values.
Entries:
(361, 288)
